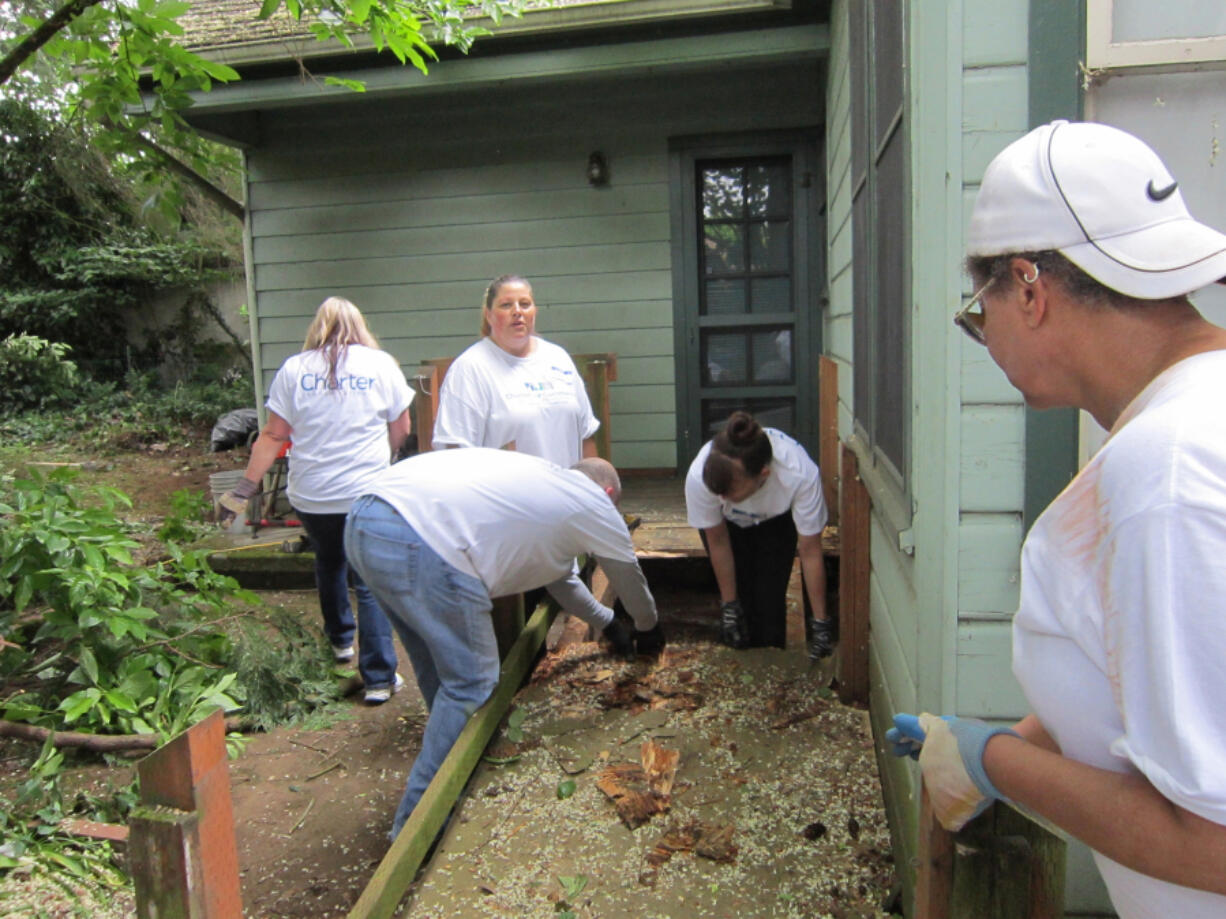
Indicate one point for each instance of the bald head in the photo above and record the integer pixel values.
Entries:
(603, 474)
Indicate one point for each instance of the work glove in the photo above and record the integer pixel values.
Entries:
(733, 628)
(649, 642)
(618, 636)
(234, 502)
(950, 754)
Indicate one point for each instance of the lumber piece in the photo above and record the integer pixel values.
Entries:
(399, 866)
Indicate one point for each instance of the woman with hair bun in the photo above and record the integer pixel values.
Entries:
(764, 484)
(345, 404)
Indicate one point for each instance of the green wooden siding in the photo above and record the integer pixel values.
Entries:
(409, 208)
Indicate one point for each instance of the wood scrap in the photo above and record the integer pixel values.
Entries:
(641, 790)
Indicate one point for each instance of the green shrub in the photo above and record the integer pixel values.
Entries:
(93, 642)
(35, 374)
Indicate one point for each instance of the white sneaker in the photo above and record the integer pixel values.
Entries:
(383, 693)
(342, 653)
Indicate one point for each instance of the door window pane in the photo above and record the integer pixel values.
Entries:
(725, 360)
(723, 193)
(768, 191)
(770, 295)
(772, 356)
(725, 298)
(724, 248)
(770, 413)
(770, 246)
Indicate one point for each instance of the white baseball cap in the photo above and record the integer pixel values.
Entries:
(1103, 199)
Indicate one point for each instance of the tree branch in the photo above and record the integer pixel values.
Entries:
(211, 191)
(98, 743)
(29, 45)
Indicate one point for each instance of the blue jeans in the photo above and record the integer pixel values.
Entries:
(376, 652)
(443, 618)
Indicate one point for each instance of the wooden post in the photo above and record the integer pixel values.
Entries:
(1002, 864)
(425, 406)
(182, 850)
(598, 370)
(854, 568)
(828, 434)
(399, 866)
(934, 880)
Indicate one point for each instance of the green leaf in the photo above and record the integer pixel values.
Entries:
(89, 664)
(573, 885)
(566, 788)
(268, 8)
(356, 85)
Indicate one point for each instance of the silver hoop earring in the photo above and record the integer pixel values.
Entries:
(1030, 280)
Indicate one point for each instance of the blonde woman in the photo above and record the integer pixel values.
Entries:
(345, 405)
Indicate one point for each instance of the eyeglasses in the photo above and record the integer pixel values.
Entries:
(970, 318)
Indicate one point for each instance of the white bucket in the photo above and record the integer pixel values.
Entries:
(222, 482)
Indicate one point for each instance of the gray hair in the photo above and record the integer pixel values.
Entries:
(601, 472)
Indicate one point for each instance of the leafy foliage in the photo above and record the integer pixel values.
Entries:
(122, 68)
(33, 840)
(140, 411)
(75, 257)
(35, 374)
(132, 648)
(93, 642)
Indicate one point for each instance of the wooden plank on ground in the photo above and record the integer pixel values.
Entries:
(399, 866)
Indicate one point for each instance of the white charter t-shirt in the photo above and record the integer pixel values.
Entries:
(339, 434)
(1123, 608)
(511, 520)
(794, 483)
(491, 398)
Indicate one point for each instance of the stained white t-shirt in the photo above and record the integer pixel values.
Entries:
(1123, 608)
(794, 484)
(511, 520)
(339, 434)
(491, 398)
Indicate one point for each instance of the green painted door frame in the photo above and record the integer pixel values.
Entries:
(1057, 47)
(808, 275)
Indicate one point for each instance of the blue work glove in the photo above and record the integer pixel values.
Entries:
(950, 753)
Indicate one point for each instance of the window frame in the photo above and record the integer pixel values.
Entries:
(867, 304)
(1104, 54)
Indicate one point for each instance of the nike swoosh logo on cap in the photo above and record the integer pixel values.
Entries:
(1160, 194)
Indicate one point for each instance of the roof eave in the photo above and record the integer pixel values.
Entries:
(534, 21)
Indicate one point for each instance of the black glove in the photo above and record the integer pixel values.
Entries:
(733, 629)
(234, 502)
(619, 638)
(649, 642)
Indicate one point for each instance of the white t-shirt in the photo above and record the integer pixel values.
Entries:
(511, 520)
(1123, 609)
(339, 435)
(794, 483)
(491, 398)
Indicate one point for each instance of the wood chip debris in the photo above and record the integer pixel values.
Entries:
(641, 790)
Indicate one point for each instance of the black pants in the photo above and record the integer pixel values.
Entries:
(763, 556)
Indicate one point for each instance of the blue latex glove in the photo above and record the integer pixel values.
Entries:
(950, 753)
(907, 737)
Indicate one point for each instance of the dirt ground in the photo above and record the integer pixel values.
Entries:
(769, 761)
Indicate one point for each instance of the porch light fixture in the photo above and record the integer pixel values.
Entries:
(597, 169)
